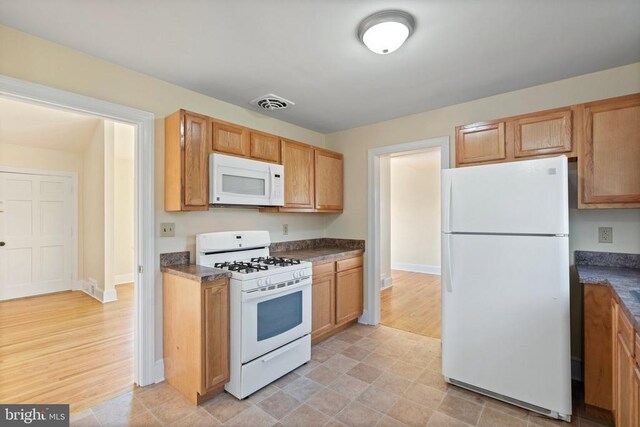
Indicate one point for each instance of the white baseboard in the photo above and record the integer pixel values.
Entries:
(385, 282)
(159, 371)
(90, 288)
(418, 268)
(576, 369)
(123, 278)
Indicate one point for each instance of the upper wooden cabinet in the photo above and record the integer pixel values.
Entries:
(313, 179)
(298, 162)
(328, 181)
(610, 154)
(186, 186)
(264, 147)
(480, 142)
(229, 139)
(548, 132)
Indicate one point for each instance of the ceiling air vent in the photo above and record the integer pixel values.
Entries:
(271, 102)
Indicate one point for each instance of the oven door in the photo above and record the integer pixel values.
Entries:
(272, 318)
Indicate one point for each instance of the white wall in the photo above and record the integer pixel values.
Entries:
(415, 212)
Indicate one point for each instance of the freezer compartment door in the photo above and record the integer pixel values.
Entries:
(505, 316)
(527, 197)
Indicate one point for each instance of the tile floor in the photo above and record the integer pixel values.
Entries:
(365, 376)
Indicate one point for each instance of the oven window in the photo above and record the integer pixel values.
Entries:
(279, 315)
(235, 184)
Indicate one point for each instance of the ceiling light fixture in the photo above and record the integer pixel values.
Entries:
(385, 31)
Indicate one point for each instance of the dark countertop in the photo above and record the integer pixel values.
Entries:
(319, 254)
(615, 274)
(196, 272)
(177, 263)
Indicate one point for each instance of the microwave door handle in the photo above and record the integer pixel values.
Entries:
(271, 184)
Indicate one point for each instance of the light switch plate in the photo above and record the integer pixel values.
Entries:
(605, 234)
(167, 229)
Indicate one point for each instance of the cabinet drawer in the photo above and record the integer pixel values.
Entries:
(326, 268)
(625, 330)
(347, 264)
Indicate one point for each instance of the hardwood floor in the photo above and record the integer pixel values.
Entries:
(66, 348)
(413, 303)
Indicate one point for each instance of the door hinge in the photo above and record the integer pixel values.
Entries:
(140, 269)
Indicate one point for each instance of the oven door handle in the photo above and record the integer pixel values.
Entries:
(248, 296)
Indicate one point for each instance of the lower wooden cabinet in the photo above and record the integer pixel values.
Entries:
(196, 336)
(337, 296)
(611, 367)
(348, 295)
(323, 298)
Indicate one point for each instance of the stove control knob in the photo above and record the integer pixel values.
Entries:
(267, 280)
(260, 282)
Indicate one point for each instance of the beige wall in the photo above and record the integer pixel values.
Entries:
(93, 208)
(385, 218)
(21, 156)
(123, 175)
(354, 143)
(30, 58)
(415, 211)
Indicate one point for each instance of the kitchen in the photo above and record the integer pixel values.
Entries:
(130, 88)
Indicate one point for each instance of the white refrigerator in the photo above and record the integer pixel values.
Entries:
(505, 277)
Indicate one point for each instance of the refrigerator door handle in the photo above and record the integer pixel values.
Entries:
(450, 213)
(449, 281)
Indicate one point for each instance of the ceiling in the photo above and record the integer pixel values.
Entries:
(33, 125)
(307, 51)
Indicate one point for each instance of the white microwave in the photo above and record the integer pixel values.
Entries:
(244, 182)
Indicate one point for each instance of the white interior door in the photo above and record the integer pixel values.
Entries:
(36, 228)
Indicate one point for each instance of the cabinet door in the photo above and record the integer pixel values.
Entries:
(323, 317)
(614, 350)
(610, 153)
(265, 147)
(636, 397)
(229, 139)
(215, 300)
(543, 133)
(480, 143)
(348, 295)
(625, 372)
(195, 172)
(328, 182)
(597, 356)
(297, 160)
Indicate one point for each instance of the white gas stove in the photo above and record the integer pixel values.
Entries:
(270, 307)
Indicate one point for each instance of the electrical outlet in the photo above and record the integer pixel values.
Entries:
(605, 234)
(285, 229)
(167, 229)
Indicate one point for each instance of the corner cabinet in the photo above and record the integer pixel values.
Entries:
(610, 154)
(186, 186)
(328, 181)
(196, 336)
(337, 299)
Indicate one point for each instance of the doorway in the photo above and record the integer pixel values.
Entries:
(410, 243)
(420, 289)
(145, 369)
